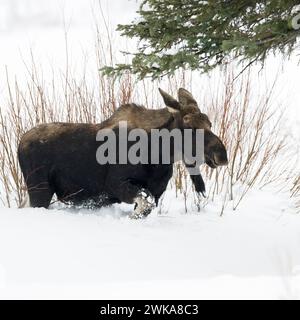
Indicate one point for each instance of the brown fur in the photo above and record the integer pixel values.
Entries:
(138, 117)
(60, 158)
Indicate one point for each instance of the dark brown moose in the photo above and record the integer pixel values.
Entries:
(60, 158)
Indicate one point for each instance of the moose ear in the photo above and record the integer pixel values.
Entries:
(170, 102)
(186, 99)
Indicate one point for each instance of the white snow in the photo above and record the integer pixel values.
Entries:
(67, 253)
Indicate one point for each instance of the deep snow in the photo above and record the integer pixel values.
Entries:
(67, 253)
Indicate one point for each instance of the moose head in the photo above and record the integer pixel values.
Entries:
(191, 117)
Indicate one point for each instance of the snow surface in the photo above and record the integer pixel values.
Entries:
(68, 253)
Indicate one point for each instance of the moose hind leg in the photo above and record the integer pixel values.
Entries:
(40, 197)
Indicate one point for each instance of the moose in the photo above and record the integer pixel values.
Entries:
(60, 158)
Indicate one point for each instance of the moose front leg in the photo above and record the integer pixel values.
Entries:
(144, 203)
(131, 191)
(197, 179)
(198, 183)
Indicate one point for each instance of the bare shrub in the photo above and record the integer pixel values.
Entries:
(295, 191)
(254, 133)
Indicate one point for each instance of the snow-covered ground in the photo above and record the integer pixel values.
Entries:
(67, 253)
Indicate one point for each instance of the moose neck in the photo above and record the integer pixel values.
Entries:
(174, 126)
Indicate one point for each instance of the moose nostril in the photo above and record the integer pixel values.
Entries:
(221, 159)
(225, 162)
